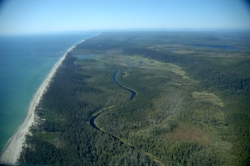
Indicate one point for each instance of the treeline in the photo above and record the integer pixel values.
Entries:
(132, 43)
(238, 88)
(233, 87)
(154, 119)
(63, 136)
(209, 75)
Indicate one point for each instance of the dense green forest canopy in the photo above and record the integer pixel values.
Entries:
(191, 105)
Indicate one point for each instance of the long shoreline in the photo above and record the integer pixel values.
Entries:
(13, 148)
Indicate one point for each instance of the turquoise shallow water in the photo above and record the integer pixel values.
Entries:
(25, 61)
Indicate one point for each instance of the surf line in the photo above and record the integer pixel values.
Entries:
(93, 118)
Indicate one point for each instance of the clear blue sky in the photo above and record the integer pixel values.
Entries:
(42, 16)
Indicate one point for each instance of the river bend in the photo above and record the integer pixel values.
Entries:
(133, 94)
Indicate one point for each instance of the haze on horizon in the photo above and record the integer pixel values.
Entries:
(31, 17)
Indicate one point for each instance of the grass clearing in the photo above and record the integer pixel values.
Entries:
(51, 137)
(208, 97)
(187, 132)
(182, 51)
(131, 61)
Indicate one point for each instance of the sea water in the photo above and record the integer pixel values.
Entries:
(25, 61)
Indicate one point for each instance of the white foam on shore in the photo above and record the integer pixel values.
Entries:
(13, 148)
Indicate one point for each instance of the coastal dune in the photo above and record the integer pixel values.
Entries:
(13, 148)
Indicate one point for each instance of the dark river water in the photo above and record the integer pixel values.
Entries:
(115, 81)
(133, 94)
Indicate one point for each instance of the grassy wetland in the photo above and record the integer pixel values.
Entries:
(191, 105)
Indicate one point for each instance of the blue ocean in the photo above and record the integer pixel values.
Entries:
(25, 61)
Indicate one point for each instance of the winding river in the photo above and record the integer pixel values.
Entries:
(133, 94)
(92, 120)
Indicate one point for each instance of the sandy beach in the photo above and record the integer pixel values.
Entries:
(13, 148)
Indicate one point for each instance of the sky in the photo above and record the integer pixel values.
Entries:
(48, 16)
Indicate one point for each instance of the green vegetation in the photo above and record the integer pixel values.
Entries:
(191, 105)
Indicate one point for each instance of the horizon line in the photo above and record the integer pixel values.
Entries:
(129, 30)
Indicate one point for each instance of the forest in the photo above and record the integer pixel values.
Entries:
(191, 103)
